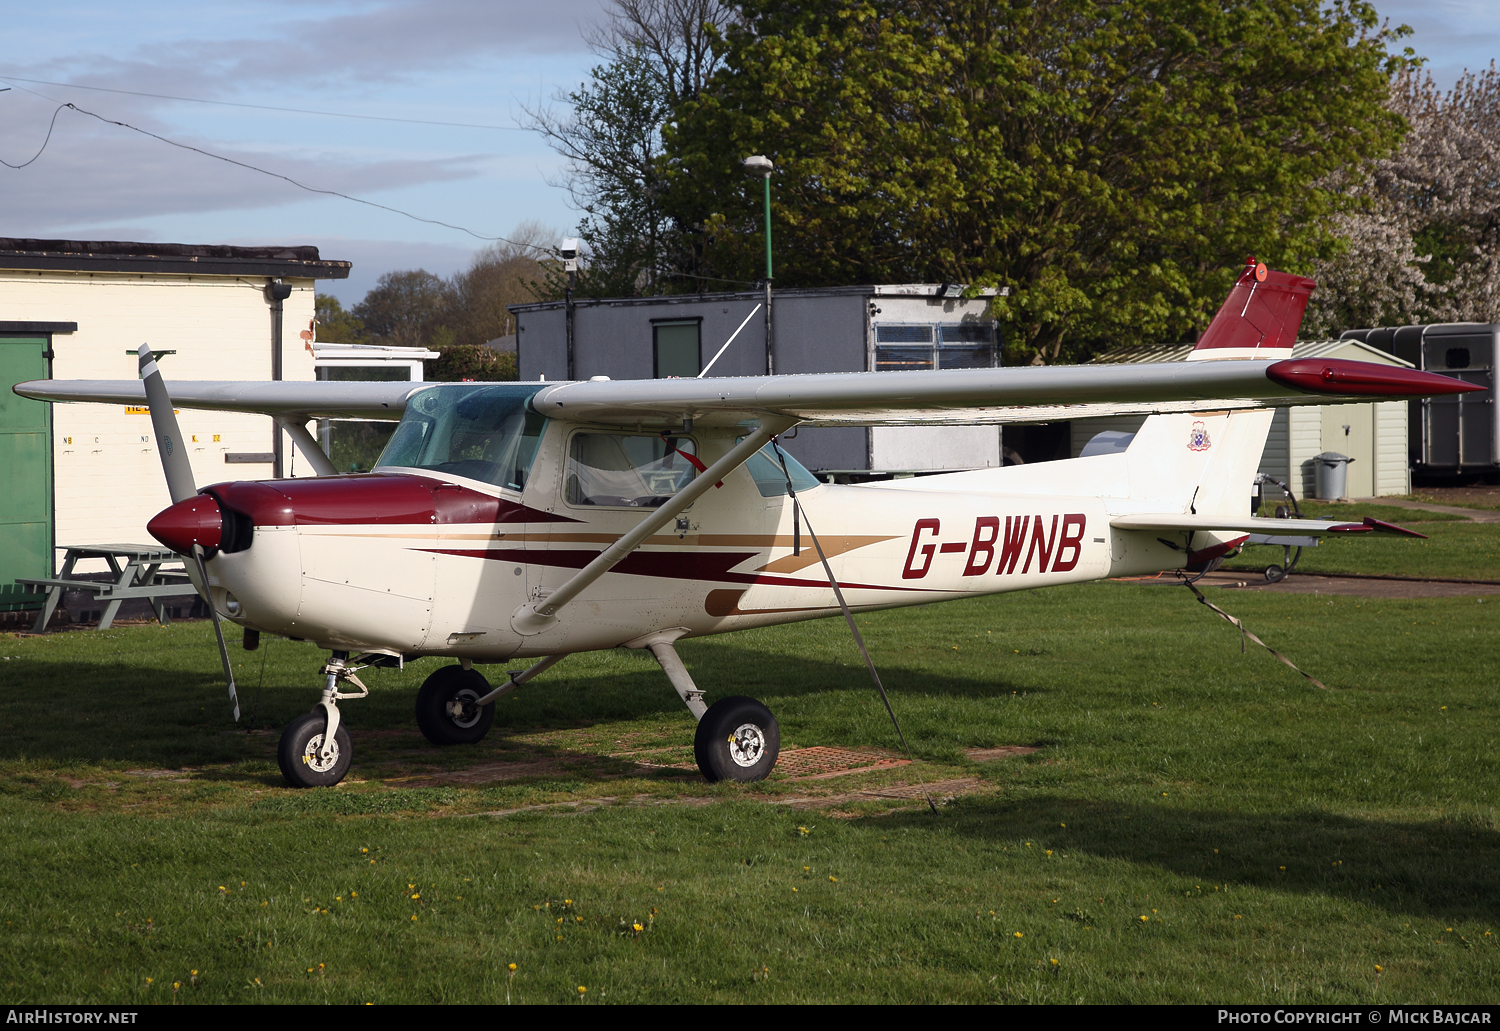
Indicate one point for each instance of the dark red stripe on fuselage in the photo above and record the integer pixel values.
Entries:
(370, 499)
(674, 565)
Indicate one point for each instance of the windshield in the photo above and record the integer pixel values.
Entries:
(483, 431)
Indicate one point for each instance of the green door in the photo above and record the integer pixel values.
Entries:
(25, 473)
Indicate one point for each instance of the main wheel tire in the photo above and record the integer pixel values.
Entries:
(446, 713)
(298, 756)
(737, 739)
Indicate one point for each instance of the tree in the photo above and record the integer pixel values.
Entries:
(1424, 244)
(500, 275)
(1110, 162)
(335, 325)
(406, 308)
(658, 56)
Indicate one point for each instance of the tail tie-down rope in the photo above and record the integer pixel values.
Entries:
(1245, 633)
(849, 618)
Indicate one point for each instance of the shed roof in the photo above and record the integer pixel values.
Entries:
(300, 262)
(1357, 349)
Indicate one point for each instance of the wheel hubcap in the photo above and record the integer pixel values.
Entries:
(462, 710)
(315, 762)
(747, 745)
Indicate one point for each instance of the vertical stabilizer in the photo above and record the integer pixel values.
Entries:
(1261, 317)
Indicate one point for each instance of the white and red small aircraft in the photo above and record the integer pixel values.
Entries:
(534, 520)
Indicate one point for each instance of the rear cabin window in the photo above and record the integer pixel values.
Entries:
(619, 470)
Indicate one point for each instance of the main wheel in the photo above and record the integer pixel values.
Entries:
(298, 756)
(737, 739)
(446, 709)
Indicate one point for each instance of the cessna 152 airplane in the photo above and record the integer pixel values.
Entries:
(532, 520)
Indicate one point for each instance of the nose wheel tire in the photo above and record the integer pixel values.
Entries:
(737, 739)
(446, 713)
(299, 753)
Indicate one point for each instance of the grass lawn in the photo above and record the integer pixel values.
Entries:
(1198, 825)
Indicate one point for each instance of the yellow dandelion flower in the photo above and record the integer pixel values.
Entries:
(1144, 918)
(1379, 969)
(1054, 962)
(1049, 851)
(512, 968)
(567, 902)
(194, 973)
(364, 850)
(1283, 868)
(414, 916)
(638, 927)
(835, 880)
(794, 889)
(581, 989)
(1019, 935)
(149, 980)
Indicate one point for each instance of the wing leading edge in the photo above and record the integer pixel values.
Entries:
(1022, 394)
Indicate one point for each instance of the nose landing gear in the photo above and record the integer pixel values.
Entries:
(315, 750)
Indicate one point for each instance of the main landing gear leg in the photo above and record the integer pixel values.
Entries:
(737, 738)
(315, 750)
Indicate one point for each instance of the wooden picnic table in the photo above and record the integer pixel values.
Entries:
(138, 573)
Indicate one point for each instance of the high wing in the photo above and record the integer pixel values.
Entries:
(312, 399)
(1021, 394)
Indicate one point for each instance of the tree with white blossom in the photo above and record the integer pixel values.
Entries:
(1425, 244)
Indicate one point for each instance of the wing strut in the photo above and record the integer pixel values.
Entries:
(538, 616)
(849, 618)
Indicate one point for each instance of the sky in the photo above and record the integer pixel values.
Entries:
(482, 62)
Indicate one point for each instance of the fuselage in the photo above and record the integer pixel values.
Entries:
(411, 561)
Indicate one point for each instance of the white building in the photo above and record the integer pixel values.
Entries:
(89, 474)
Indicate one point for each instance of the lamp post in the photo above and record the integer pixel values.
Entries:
(569, 252)
(759, 164)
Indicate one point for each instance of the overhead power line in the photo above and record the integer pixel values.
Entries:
(268, 107)
(253, 168)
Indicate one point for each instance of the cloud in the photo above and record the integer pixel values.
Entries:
(373, 43)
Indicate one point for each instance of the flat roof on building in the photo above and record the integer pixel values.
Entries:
(300, 262)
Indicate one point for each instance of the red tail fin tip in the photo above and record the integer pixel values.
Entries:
(1261, 316)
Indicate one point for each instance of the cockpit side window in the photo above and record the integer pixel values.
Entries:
(485, 432)
(620, 470)
(765, 468)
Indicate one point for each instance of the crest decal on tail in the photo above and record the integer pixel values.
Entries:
(1198, 439)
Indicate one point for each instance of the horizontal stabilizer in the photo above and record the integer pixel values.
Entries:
(1254, 524)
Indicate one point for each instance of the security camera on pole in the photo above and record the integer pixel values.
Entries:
(569, 251)
(759, 164)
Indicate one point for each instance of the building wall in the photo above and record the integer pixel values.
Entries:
(108, 475)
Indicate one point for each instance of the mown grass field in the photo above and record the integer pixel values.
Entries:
(1197, 826)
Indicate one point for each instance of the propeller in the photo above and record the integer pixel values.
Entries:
(179, 473)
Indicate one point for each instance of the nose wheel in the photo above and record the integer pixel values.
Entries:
(315, 750)
(304, 762)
